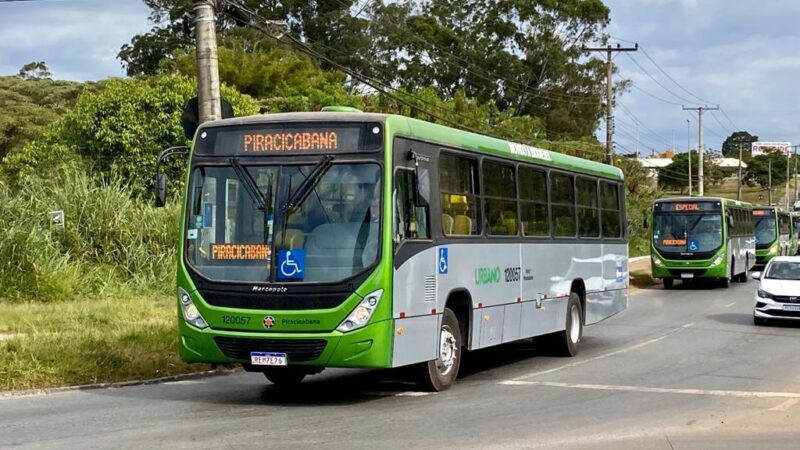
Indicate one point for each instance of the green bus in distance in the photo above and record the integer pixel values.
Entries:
(702, 237)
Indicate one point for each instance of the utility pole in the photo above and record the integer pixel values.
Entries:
(700, 110)
(689, 149)
(610, 93)
(739, 187)
(795, 173)
(208, 94)
(769, 184)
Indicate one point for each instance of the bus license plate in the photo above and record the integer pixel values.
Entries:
(791, 308)
(268, 359)
(687, 275)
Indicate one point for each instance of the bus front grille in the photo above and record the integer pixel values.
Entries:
(297, 350)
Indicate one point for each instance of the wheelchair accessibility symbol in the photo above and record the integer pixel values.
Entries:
(693, 246)
(443, 263)
(291, 264)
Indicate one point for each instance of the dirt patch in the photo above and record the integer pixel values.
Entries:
(639, 272)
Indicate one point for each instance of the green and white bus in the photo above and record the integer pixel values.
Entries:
(773, 233)
(702, 237)
(348, 239)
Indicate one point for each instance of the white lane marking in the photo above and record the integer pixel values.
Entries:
(785, 406)
(688, 325)
(603, 356)
(795, 396)
(730, 304)
(413, 394)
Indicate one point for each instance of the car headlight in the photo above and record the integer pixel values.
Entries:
(763, 294)
(717, 261)
(362, 313)
(190, 312)
(657, 261)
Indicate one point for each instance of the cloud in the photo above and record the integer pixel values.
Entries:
(740, 55)
(78, 39)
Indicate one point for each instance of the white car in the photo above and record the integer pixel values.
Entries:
(778, 294)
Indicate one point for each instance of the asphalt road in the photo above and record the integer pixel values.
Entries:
(678, 369)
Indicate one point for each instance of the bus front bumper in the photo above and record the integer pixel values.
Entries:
(688, 269)
(368, 347)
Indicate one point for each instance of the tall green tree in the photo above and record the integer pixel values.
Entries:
(737, 139)
(758, 170)
(675, 177)
(29, 106)
(525, 56)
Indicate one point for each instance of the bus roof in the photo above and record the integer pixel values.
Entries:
(723, 200)
(438, 134)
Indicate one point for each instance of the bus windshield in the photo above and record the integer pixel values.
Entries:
(687, 233)
(765, 230)
(241, 227)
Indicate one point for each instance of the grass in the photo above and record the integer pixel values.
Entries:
(88, 341)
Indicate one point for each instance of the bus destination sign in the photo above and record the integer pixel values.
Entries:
(688, 206)
(762, 212)
(287, 142)
(290, 138)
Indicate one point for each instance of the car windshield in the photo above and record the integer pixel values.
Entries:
(239, 228)
(687, 233)
(783, 270)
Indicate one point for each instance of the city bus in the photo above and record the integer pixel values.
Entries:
(702, 237)
(348, 239)
(773, 233)
(796, 230)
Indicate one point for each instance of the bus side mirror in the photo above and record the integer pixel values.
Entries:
(161, 190)
(161, 178)
(645, 223)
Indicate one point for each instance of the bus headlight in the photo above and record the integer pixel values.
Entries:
(190, 312)
(657, 261)
(773, 249)
(362, 313)
(717, 261)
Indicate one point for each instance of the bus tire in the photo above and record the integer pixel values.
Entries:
(441, 373)
(668, 283)
(566, 342)
(285, 376)
(725, 282)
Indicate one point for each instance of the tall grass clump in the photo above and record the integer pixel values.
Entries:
(111, 241)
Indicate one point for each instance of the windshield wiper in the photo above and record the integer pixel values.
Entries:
(250, 185)
(309, 183)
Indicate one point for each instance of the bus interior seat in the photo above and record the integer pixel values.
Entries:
(333, 250)
(447, 224)
(462, 225)
(294, 239)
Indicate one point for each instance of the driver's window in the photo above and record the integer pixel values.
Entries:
(410, 221)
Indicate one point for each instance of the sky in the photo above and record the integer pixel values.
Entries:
(741, 55)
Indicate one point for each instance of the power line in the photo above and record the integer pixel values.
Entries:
(389, 92)
(655, 96)
(646, 72)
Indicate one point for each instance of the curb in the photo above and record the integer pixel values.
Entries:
(121, 384)
(637, 259)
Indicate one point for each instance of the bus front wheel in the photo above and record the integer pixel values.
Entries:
(441, 373)
(286, 376)
(668, 283)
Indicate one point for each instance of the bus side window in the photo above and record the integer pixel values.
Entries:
(410, 220)
(610, 215)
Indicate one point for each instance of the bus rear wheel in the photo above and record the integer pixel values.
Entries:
(441, 373)
(286, 376)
